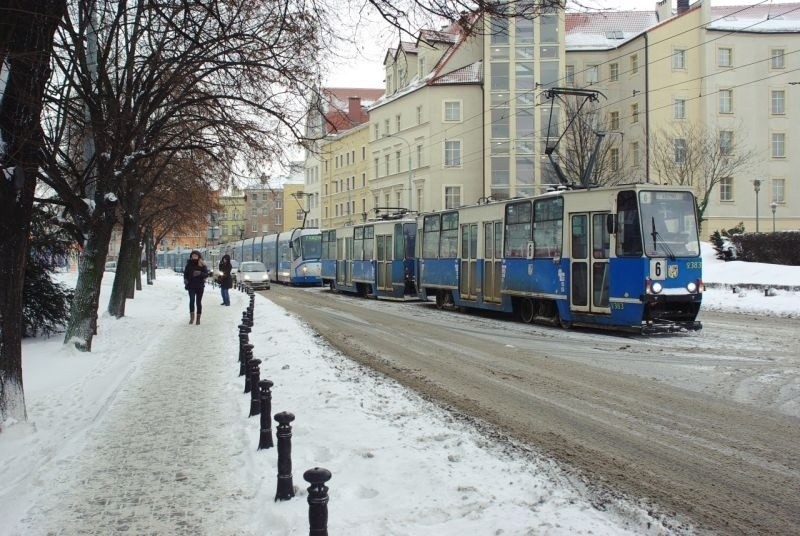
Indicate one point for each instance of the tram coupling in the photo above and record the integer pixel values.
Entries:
(666, 326)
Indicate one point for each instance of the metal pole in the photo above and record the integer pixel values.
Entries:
(756, 187)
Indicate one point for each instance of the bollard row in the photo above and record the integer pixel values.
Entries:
(261, 404)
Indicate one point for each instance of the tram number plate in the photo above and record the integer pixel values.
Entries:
(658, 269)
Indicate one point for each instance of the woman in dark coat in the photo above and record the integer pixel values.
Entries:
(194, 280)
(225, 279)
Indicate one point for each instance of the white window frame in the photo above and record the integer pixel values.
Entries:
(451, 194)
(679, 59)
(679, 147)
(778, 190)
(634, 63)
(451, 111)
(725, 57)
(723, 144)
(679, 108)
(726, 190)
(777, 59)
(455, 147)
(777, 102)
(777, 145)
(725, 101)
(613, 72)
(592, 75)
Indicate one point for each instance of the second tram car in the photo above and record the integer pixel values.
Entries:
(373, 259)
(293, 256)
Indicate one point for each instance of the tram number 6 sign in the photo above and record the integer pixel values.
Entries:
(658, 269)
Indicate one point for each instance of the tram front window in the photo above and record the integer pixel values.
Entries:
(312, 246)
(669, 225)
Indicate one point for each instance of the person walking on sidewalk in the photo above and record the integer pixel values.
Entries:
(194, 280)
(225, 279)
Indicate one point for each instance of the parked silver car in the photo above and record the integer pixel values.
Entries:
(254, 274)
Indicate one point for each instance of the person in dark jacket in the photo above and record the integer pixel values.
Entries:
(225, 279)
(194, 280)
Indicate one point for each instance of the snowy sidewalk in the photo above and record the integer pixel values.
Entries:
(149, 434)
(158, 462)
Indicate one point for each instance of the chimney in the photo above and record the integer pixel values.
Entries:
(683, 5)
(354, 108)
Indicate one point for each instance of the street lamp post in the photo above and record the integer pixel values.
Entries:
(408, 146)
(773, 206)
(757, 187)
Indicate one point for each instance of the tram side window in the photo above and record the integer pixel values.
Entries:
(430, 236)
(369, 242)
(410, 231)
(448, 243)
(329, 244)
(358, 244)
(398, 241)
(629, 234)
(548, 216)
(518, 229)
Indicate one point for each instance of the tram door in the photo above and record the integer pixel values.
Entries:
(589, 273)
(383, 262)
(468, 283)
(492, 260)
(344, 256)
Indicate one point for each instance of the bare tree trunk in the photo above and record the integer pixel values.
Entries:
(128, 266)
(82, 325)
(26, 42)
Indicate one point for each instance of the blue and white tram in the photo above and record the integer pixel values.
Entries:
(293, 256)
(373, 259)
(625, 257)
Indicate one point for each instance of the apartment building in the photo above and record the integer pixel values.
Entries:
(333, 111)
(344, 185)
(231, 217)
(726, 72)
(263, 211)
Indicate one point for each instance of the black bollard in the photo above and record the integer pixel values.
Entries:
(255, 395)
(247, 353)
(265, 439)
(247, 357)
(284, 432)
(317, 500)
(244, 338)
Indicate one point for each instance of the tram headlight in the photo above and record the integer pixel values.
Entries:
(691, 287)
(656, 287)
(305, 269)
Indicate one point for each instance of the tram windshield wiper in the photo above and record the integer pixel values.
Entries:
(657, 238)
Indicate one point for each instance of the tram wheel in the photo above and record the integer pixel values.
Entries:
(526, 310)
(566, 324)
(440, 299)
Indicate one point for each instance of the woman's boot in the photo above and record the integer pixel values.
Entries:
(191, 318)
(198, 319)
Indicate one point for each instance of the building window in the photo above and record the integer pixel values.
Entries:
(419, 115)
(377, 168)
(777, 58)
(591, 74)
(725, 101)
(452, 197)
(397, 123)
(636, 154)
(613, 72)
(679, 144)
(419, 155)
(265, 211)
(614, 157)
(298, 215)
(725, 142)
(386, 130)
(363, 180)
(501, 123)
(386, 159)
(778, 145)
(452, 153)
(726, 189)
(499, 76)
(278, 202)
(634, 113)
(452, 111)
(254, 197)
(778, 102)
(779, 191)
(254, 212)
(614, 120)
(634, 63)
(679, 60)
(377, 131)
(679, 109)
(397, 160)
(570, 75)
(725, 57)
(254, 227)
